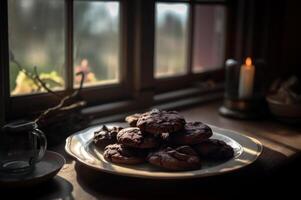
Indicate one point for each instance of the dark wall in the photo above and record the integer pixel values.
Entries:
(284, 38)
(291, 47)
(270, 30)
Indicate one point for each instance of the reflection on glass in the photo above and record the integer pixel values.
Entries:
(209, 38)
(36, 38)
(96, 41)
(171, 39)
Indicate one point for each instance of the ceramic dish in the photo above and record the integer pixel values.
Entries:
(44, 170)
(81, 147)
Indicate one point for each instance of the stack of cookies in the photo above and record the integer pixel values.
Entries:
(162, 138)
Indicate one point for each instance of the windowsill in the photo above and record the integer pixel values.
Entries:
(177, 100)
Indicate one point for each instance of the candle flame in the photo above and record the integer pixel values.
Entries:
(248, 61)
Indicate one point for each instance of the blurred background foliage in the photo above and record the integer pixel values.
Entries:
(37, 38)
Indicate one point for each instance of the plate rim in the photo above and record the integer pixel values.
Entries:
(258, 144)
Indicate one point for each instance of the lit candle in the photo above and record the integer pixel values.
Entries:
(246, 80)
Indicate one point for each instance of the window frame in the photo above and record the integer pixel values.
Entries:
(4, 72)
(92, 94)
(137, 82)
(164, 84)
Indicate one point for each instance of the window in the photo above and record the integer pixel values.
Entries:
(171, 39)
(209, 37)
(96, 42)
(128, 50)
(36, 38)
(190, 40)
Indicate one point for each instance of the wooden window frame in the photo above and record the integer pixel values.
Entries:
(93, 95)
(137, 85)
(182, 81)
(4, 72)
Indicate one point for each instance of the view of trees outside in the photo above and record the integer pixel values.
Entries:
(171, 39)
(36, 38)
(97, 41)
(209, 37)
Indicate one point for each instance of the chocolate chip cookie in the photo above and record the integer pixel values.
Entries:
(133, 137)
(105, 136)
(132, 119)
(158, 121)
(120, 154)
(180, 158)
(193, 133)
(214, 149)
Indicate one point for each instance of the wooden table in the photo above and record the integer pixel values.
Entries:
(273, 174)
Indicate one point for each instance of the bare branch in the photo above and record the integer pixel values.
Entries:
(76, 93)
(43, 84)
(35, 78)
(62, 105)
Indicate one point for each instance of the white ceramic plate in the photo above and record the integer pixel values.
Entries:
(247, 150)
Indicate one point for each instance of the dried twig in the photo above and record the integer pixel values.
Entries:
(37, 77)
(77, 92)
(62, 105)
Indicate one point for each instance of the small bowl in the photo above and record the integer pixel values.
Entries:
(282, 110)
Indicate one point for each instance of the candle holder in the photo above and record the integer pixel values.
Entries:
(244, 90)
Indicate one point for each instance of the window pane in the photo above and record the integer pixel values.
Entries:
(171, 39)
(36, 38)
(209, 37)
(96, 41)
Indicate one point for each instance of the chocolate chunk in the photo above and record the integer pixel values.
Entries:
(105, 136)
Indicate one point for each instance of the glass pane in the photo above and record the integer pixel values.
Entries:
(96, 41)
(36, 38)
(209, 37)
(171, 39)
